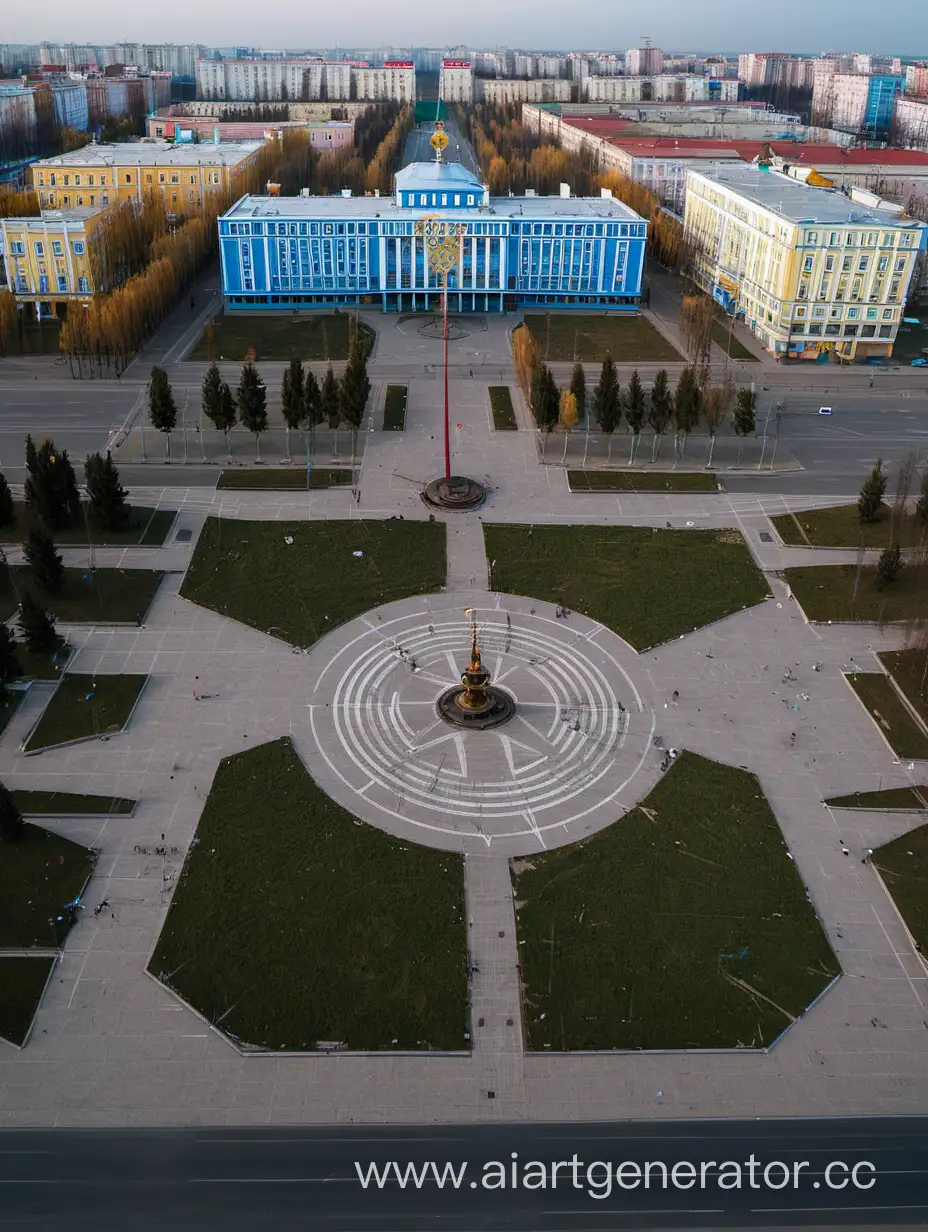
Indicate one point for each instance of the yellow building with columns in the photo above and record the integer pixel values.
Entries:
(101, 175)
(48, 260)
(812, 271)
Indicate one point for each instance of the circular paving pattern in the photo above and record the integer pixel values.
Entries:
(554, 772)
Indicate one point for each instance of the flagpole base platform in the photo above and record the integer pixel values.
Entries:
(455, 493)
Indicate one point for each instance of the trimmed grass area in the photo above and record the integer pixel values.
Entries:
(504, 416)
(841, 527)
(69, 804)
(826, 592)
(146, 528)
(903, 865)
(22, 982)
(642, 481)
(285, 479)
(394, 408)
(588, 337)
(907, 668)
(683, 925)
(86, 705)
(646, 584)
(876, 691)
(119, 596)
(907, 798)
(40, 873)
(300, 591)
(280, 336)
(731, 345)
(294, 924)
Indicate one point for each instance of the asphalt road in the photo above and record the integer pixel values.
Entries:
(305, 1178)
(835, 451)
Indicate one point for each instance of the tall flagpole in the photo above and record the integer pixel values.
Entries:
(447, 413)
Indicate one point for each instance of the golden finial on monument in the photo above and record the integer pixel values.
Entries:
(474, 702)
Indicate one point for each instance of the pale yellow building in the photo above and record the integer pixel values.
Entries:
(100, 175)
(812, 271)
(48, 259)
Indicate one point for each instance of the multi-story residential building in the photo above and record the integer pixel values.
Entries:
(260, 80)
(550, 66)
(810, 270)
(519, 90)
(910, 123)
(288, 253)
(395, 82)
(489, 64)
(70, 102)
(669, 88)
(523, 65)
(856, 103)
(773, 68)
(456, 81)
(644, 62)
(127, 94)
(102, 175)
(323, 134)
(17, 119)
(47, 258)
(179, 59)
(916, 81)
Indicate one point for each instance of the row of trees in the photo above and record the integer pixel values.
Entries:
(304, 403)
(694, 401)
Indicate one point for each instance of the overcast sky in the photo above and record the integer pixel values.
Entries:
(900, 26)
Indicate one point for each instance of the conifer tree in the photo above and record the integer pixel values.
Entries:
(660, 408)
(31, 456)
(607, 400)
(162, 410)
(251, 396)
(745, 423)
(211, 394)
(10, 669)
(292, 392)
(37, 626)
(871, 496)
(108, 506)
(635, 412)
(578, 388)
(7, 508)
(51, 488)
(44, 560)
(330, 398)
(312, 399)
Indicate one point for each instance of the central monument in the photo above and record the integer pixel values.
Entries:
(475, 702)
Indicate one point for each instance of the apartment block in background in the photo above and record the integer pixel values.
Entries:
(812, 272)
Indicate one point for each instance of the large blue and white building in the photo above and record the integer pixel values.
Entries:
(288, 253)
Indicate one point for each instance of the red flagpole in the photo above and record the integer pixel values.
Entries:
(447, 416)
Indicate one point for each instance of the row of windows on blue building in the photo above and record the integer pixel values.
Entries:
(306, 252)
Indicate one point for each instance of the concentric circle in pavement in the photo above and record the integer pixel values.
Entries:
(560, 769)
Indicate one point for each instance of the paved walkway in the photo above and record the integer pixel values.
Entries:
(113, 1047)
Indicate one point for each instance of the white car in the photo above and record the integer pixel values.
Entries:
(824, 410)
